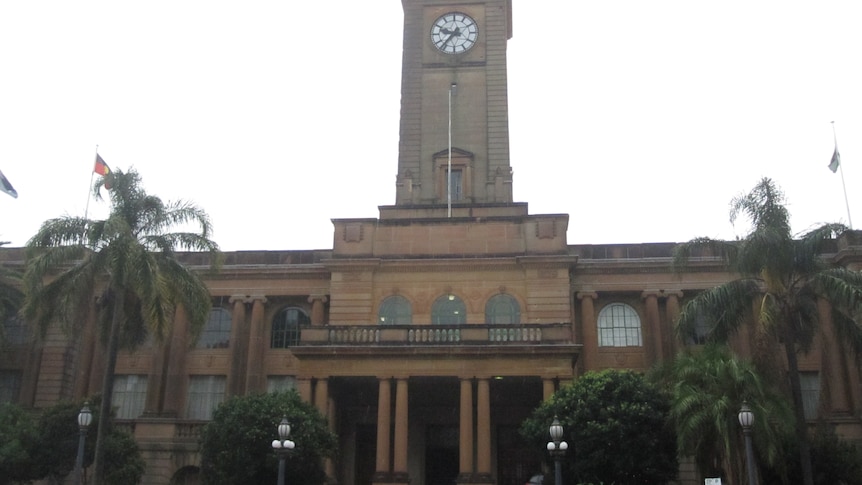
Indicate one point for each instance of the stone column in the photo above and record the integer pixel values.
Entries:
(239, 332)
(255, 381)
(303, 386)
(176, 365)
(465, 462)
(548, 389)
(321, 396)
(85, 355)
(590, 337)
(154, 402)
(401, 426)
(483, 430)
(317, 310)
(384, 410)
(652, 327)
(832, 364)
(673, 310)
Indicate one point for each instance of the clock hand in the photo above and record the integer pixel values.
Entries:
(453, 33)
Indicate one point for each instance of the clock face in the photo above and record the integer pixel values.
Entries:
(454, 33)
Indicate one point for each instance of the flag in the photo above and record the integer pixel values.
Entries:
(836, 161)
(5, 186)
(101, 167)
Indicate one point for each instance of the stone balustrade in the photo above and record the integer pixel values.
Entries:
(412, 335)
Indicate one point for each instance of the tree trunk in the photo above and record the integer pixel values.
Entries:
(798, 407)
(108, 387)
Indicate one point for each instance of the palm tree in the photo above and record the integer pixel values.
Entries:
(129, 260)
(708, 386)
(782, 277)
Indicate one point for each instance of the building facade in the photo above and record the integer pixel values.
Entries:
(425, 335)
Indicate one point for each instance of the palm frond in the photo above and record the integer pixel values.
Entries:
(725, 308)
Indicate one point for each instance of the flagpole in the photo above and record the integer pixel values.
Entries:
(449, 166)
(843, 185)
(89, 193)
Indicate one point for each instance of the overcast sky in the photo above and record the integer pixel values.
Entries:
(639, 119)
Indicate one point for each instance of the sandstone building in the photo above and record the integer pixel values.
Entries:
(429, 333)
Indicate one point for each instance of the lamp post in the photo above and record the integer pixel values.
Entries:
(746, 420)
(557, 448)
(85, 417)
(282, 447)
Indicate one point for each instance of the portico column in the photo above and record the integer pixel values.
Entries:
(254, 380)
(832, 363)
(303, 386)
(239, 331)
(176, 363)
(590, 335)
(465, 463)
(548, 389)
(321, 396)
(317, 313)
(673, 310)
(400, 461)
(483, 430)
(652, 340)
(384, 403)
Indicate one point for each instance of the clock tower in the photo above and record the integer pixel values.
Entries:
(454, 145)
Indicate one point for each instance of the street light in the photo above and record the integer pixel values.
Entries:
(85, 417)
(282, 447)
(746, 420)
(557, 448)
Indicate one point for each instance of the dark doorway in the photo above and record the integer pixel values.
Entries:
(441, 466)
(366, 453)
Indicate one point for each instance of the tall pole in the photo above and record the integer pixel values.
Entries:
(452, 88)
(282, 447)
(79, 459)
(84, 419)
(281, 469)
(557, 448)
(749, 456)
(746, 419)
(837, 158)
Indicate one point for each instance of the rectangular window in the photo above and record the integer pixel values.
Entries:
(129, 396)
(457, 186)
(810, 383)
(205, 394)
(280, 383)
(10, 385)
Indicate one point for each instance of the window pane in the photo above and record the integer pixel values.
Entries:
(502, 309)
(216, 333)
(395, 310)
(457, 186)
(619, 326)
(205, 394)
(448, 310)
(129, 396)
(810, 383)
(280, 383)
(286, 327)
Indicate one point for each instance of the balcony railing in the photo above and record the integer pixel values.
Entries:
(469, 334)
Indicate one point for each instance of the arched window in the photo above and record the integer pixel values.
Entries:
(448, 310)
(395, 310)
(286, 327)
(502, 308)
(701, 331)
(216, 333)
(619, 326)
